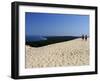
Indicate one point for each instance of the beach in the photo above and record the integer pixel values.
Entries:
(68, 53)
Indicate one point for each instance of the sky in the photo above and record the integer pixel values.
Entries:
(47, 24)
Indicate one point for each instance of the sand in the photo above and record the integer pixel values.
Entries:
(69, 53)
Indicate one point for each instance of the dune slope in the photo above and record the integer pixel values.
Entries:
(69, 53)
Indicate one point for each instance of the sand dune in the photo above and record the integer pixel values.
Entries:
(69, 53)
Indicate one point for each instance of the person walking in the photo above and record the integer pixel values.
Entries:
(82, 37)
(86, 37)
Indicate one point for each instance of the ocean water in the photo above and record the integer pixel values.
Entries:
(35, 38)
(49, 38)
(38, 41)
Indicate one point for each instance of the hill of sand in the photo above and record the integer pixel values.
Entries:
(68, 53)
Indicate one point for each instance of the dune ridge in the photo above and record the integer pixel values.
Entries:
(68, 53)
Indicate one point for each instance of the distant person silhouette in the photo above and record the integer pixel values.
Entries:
(85, 37)
(82, 37)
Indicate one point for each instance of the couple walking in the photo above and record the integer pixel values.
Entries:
(84, 37)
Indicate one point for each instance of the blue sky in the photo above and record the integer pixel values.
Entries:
(46, 24)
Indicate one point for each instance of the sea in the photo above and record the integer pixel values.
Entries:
(42, 38)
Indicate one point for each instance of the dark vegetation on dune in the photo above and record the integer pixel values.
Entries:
(50, 40)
